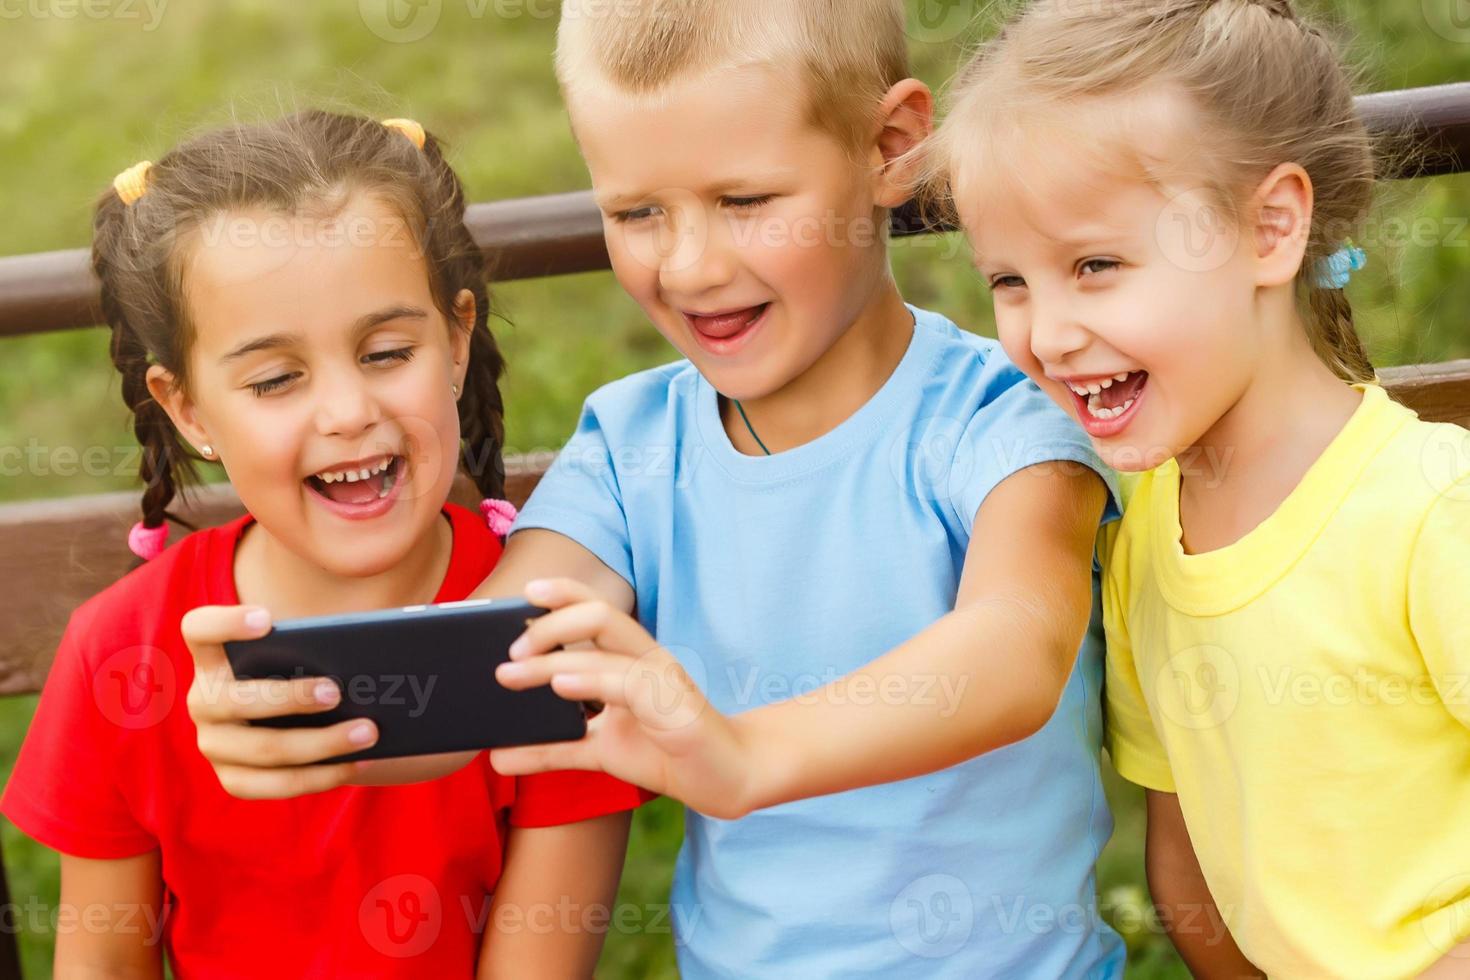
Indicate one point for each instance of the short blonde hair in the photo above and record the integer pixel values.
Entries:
(848, 52)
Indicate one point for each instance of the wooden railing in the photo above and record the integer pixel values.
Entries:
(56, 553)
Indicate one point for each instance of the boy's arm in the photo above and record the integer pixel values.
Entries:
(1183, 899)
(986, 675)
(270, 763)
(554, 901)
(115, 909)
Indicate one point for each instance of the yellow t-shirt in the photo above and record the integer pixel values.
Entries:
(1306, 692)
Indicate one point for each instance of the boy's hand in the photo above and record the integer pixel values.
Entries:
(263, 763)
(657, 730)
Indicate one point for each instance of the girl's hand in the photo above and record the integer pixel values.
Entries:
(656, 730)
(263, 763)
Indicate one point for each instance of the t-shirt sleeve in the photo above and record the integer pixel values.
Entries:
(1132, 740)
(1016, 428)
(555, 798)
(579, 497)
(1439, 581)
(64, 790)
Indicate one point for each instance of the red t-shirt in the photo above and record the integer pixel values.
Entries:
(384, 881)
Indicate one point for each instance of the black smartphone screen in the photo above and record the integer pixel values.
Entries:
(424, 674)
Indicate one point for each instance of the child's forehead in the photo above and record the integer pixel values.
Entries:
(255, 268)
(1067, 173)
(729, 125)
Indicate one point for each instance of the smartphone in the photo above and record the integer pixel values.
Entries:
(424, 674)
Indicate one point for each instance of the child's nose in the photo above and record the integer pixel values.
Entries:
(1056, 333)
(700, 260)
(345, 406)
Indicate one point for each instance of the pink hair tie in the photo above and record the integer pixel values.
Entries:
(500, 515)
(147, 542)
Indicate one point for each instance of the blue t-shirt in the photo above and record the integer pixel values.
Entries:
(769, 577)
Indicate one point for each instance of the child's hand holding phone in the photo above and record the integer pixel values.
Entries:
(272, 763)
(657, 729)
(263, 763)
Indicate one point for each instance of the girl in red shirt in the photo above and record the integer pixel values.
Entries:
(302, 302)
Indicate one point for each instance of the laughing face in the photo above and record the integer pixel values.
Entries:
(322, 374)
(749, 237)
(1128, 302)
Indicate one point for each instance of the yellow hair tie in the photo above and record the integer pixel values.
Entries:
(132, 183)
(409, 128)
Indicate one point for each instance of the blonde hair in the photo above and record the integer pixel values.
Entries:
(1267, 87)
(848, 53)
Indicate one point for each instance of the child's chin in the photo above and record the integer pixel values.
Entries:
(359, 561)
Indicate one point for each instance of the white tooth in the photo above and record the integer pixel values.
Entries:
(352, 477)
(1094, 403)
(364, 473)
(383, 466)
(1121, 377)
(1126, 405)
(1107, 384)
(1095, 389)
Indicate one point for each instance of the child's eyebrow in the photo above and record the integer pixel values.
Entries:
(364, 323)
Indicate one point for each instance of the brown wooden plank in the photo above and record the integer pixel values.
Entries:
(562, 233)
(54, 554)
(1438, 392)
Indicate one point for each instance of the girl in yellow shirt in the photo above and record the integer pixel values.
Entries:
(1160, 194)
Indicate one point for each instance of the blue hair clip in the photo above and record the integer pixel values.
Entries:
(1336, 271)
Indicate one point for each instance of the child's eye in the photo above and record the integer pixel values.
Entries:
(263, 388)
(635, 215)
(1094, 266)
(748, 203)
(388, 356)
(1007, 282)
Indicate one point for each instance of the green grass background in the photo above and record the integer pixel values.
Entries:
(85, 96)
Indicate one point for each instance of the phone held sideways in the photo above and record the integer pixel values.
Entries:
(424, 674)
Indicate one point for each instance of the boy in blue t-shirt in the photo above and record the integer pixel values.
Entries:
(863, 540)
(831, 475)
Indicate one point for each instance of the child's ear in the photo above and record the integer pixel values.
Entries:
(459, 338)
(906, 119)
(175, 401)
(1282, 207)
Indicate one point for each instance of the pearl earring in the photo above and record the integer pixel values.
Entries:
(456, 390)
(207, 451)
